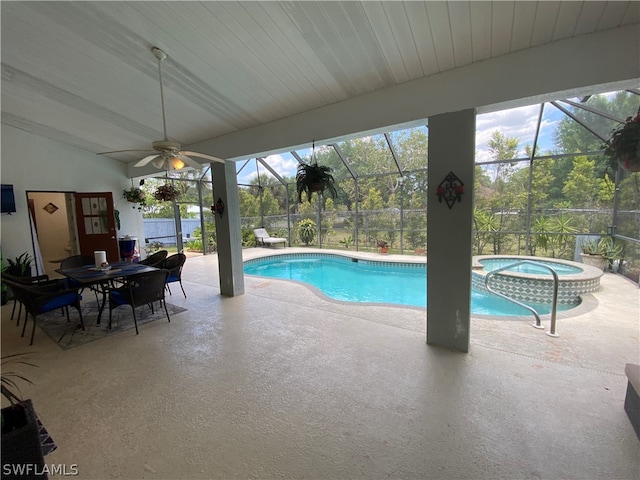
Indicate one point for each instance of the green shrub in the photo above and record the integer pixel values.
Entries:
(307, 230)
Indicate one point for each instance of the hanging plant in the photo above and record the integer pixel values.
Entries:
(166, 193)
(312, 178)
(623, 146)
(135, 195)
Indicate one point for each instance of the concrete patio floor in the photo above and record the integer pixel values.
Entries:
(283, 382)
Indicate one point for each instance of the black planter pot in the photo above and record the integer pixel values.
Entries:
(17, 271)
(21, 446)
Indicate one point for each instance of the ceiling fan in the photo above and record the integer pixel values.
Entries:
(167, 155)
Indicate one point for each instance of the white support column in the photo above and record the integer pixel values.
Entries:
(449, 230)
(228, 231)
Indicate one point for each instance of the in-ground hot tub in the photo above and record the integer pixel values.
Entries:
(530, 284)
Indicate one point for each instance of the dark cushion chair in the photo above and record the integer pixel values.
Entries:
(139, 290)
(38, 280)
(39, 299)
(75, 261)
(174, 264)
(156, 259)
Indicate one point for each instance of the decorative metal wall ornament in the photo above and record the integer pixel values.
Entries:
(218, 207)
(450, 190)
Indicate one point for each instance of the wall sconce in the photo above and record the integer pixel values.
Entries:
(450, 190)
(218, 207)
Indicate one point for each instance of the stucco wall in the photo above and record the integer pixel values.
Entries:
(33, 163)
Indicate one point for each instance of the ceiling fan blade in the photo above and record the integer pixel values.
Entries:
(146, 160)
(203, 155)
(123, 151)
(189, 161)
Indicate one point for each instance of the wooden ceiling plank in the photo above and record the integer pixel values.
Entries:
(421, 31)
(524, 16)
(501, 27)
(544, 23)
(460, 17)
(355, 32)
(614, 14)
(590, 16)
(441, 30)
(388, 47)
(481, 15)
(567, 20)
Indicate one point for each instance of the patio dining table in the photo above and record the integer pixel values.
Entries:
(102, 279)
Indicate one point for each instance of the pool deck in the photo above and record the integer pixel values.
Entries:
(602, 333)
(283, 383)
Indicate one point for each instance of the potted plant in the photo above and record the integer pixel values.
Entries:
(166, 193)
(135, 195)
(383, 245)
(21, 429)
(307, 229)
(623, 146)
(312, 178)
(600, 253)
(20, 266)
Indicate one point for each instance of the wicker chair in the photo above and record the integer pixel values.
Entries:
(76, 261)
(174, 264)
(39, 299)
(39, 280)
(139, 290)
(155, 260)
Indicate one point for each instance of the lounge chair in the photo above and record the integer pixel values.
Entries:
(263, 238)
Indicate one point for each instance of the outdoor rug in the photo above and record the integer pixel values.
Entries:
(69, 334)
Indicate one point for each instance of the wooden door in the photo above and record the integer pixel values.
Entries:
(96, 221)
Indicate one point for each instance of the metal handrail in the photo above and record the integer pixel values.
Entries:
(538, 324)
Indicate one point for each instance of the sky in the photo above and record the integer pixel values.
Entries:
(517, 123)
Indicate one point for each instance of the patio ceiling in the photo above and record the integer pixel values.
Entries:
(82, 73)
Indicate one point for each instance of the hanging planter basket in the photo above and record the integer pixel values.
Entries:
(135, 195)
(623, 146)
(630, 164)
(166, 193)
(313, 178)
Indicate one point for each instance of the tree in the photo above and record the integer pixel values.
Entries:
(502, 148)
(581, 187)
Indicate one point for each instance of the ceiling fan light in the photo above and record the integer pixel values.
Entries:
(158, 162)
(177, 163)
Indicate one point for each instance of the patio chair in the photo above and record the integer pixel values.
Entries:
(75, 261)
(174, 264)
(38, 280)
(155, 259)
(39, 299)
(263, 238)
(139, 290)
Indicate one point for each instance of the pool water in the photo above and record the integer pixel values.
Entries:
(560, 268)
(363, 281)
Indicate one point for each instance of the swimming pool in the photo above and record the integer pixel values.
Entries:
(365, 281)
